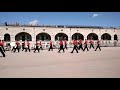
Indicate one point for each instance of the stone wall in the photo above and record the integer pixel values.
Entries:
(34, 31)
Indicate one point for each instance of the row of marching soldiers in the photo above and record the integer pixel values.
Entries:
(26, 46)
(38, 46)
(78, 45)
(63, 45)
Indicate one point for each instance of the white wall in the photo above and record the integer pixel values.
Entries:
(33, 31)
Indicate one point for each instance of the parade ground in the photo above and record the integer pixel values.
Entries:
(51, 64)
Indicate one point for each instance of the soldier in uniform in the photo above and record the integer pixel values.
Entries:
(61, 46)
(41, 45)
(3, 43)
(28, 46)
(65, 42)
(17, 46)
(80, 45)
(23, 45)
(51, 46)
(91, 43)
(86, 42)
(13, 46)
(98, 45)
(37, 47)
(1, 49)
(75, 46)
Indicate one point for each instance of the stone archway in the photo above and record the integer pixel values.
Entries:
(23, 36)
(61, 36)
(92, 36)
(106, 36)
(77, 36)
(7, 37)
(43, 37)
(115, 37)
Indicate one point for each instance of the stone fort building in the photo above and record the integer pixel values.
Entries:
(108, 36)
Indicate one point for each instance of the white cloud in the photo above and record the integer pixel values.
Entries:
(34, 22)
(95, 15)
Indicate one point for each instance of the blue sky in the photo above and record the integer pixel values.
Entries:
(63, 18)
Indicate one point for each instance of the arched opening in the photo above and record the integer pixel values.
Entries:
(43, 37)
(61, 36)
(106, 36)
(23, 36)
(92, 36)
(77, 36)
(7, 37)
(115, 37)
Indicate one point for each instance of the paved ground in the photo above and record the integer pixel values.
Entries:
(88, 64)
